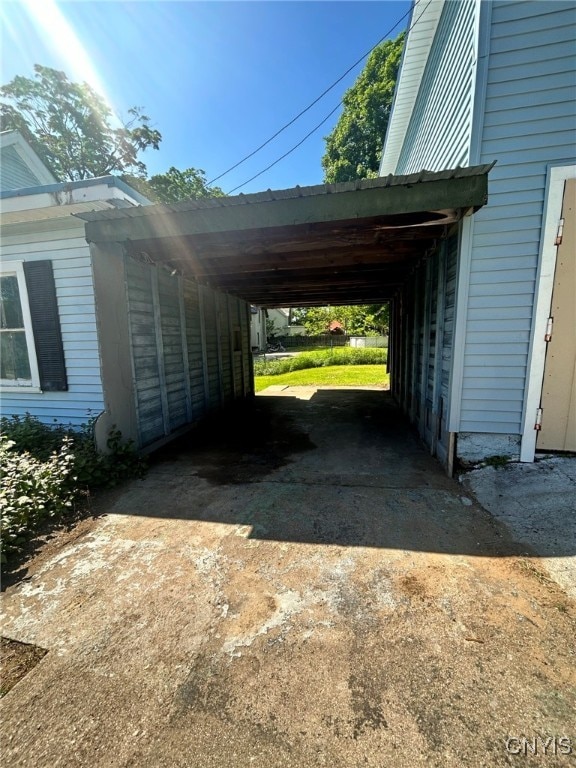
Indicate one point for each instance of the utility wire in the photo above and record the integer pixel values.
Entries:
(289, 151)
(309, 107)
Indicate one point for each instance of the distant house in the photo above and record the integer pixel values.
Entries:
(103, 336)
(278, 319)
(257, 329)
(267, 323)
(487, 336)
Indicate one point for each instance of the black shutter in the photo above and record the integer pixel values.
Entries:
(46, 325)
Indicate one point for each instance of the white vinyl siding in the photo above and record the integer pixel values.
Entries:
(70, 256)
(15, 173)
(438, 135)
(529, 119)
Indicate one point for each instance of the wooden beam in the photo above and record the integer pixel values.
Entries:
(263, 243)
(288, 277)
(352, 256)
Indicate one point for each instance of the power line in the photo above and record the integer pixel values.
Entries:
(309, 107)
(289, 151)
(316, 127)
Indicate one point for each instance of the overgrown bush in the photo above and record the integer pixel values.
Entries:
(47, 470)
(336, 356)
(32, 490)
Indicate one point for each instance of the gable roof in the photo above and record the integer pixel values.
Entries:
(20, 166)
(423, 24)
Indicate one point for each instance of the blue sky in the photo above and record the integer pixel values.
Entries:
(216, 78)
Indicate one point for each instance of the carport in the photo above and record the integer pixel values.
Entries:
(391, 239)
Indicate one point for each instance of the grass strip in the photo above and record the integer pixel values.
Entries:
(320, 359)
(332, 376)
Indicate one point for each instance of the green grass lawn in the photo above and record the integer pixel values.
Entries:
(331, 376)
(272, 366)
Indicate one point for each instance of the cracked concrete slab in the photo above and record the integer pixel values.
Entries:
(537, 503)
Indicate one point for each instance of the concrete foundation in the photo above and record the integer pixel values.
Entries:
(473, 447)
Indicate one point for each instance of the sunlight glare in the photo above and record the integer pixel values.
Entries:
(53, 26)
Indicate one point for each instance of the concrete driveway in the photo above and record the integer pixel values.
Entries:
(297, 585)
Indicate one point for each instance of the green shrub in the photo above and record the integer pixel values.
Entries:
(336, 356)
(45, 469)
(32, 436)
(32, 490)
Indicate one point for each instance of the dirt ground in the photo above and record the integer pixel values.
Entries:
(296, 585)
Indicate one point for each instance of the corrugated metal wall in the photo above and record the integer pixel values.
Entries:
(528, 124)
(421, 347)
(513, 104)
(438, 134)
(190, 350)
(66, 247)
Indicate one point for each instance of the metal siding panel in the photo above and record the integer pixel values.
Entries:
(446, 350)
(500, 313)
(174, 369)
(494, 264)
(510, 11)
(211, 331)
(15, 172)
(505, 275)
(524, 114)
(502, 411)
(504, 428)
(501, 239)
(194, 344)
(226, 363)
(527, 84)
(438, 135)
(521, 37)
(247, 370)
(515, 59)
(517, 70)
(144, 352)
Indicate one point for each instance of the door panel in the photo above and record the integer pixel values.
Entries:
(559, 386)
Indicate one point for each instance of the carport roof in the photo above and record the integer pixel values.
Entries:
(354, 242)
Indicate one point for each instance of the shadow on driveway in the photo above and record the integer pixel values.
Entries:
(327, 466)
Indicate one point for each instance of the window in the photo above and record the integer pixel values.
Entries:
(31, 349)
(18, 366)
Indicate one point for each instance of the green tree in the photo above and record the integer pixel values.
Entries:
(176, 185)
(358, 320)
(354, 148)
(70, 126)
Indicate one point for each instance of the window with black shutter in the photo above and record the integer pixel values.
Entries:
(31, 351)
(46, 325)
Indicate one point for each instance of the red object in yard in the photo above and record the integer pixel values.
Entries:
(336, 327)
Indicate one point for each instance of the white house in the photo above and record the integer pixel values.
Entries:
(484, 82)
(155, 314)
(20, 166)
(104, 337)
